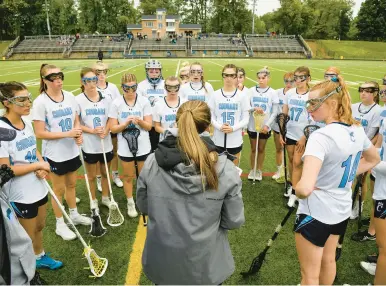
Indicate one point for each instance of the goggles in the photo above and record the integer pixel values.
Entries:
(21, 100)
(369, 89)
(54, 76)
(153, 69)
(86, 80)
(329, 76)
(291, 81)
(231, 75)
(301, 77)
(127, 88)
(98, 72)
(184, 76)
(382, 93)
(172, 88)
(313, 104)
(199, 72)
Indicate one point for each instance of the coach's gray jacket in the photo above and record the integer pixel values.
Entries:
(187, 239)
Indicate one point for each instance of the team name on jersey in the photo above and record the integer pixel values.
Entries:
(155, 91)
(25, 143)
(96, 111)
(228, 106)
(62, 112)
(281, 101)
(170, 117)
(196, 97)
(297, 102)
(363, 121)
(260, 99)
(130, 113)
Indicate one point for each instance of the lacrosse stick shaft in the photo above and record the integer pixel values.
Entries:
(85, 174)
(360, 208)
(256, 151)
(285, 169)
(137, 175)
(107, 170)
(64, 213)
(225, 141)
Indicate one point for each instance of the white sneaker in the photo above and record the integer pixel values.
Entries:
(289, 192)
(131, 211)
(64, 232)
(79, 219)
(251, 175)
(94, 204)
(355, 210)
(77, 200)
(106, 202)
(259, 175)
(99, 183)
(277, 174)
(369, 267)
(292, 200)
(117, 181)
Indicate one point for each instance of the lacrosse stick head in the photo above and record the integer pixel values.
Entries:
(282, 120)
(97, 229)
(309, 129)
(6, 174)
(115, 216)
(131, 136)
(259, 120)
(255, 265)
(98, 265)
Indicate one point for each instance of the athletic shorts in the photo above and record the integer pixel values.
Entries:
(232, 151)
(62, 168)
(154, 139)
(28, 211)
(253, 135)
(315, 231)
(95, 158)
(131, 159)
(372, 178)
(289, 141)
(380, 209)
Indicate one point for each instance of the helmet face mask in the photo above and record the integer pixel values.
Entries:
(150, 65)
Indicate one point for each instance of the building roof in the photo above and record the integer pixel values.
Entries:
(149, 17)
(134, 26)
(172, 17)
(161, 10)
(190, 26)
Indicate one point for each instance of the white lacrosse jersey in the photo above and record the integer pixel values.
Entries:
(152, 92)
(339, 147)
(111, 92)
(281, 95)
(26, 189)
(92, 115)
(196, 91)
(264, 98)
(165, 114)
(380, 181)
(232, 108)
(368, 116)
(59, 117)
(120, 110)
(299, 117)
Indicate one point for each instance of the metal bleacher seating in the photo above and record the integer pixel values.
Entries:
(42, 45)
(220, 42)
(153, 45)
(87, 43)
(264, 43)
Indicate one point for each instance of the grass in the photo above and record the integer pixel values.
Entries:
(264, 203)
(4, 45)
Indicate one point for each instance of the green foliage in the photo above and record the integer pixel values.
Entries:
(372, 20)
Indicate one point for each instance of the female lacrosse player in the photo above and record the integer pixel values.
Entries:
(164, 112)
(56, 121)
(196, 88)
(109, 92)
(230, 113)
(331, 160)
(153, 88)
(131, 111)
(367, 112)
(265, 101)
(26, 192)
(281, 93)
(184, 72)
(241, 79)
(199, 202)
(94, 108)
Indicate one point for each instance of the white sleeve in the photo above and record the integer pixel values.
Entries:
(113, 112)
(376, 120)
(318, 145)
(116, 93)
(4, 150)
(212, 106)
(147, 110)
(274, 113)
(39, 109)
(245, 114)
(209, 88)
(285, 100)
(156, 115)
(140, 90)
(380, 168)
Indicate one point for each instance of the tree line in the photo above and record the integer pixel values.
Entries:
(314, 19)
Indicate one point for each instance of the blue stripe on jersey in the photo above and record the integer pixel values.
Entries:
(16, 209)
(308, 219)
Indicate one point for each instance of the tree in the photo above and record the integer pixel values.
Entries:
(90, 14)
(372, 20)
(293, 17)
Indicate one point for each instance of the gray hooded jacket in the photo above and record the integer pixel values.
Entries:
(187, 240)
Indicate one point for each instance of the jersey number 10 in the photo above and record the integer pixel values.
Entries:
(66, 124)
(350, 170)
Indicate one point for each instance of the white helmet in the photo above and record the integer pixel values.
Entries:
(153, 64)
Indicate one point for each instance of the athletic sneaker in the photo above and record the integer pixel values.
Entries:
(372, 258)
(277, 174)
(131, 211)
(79, 219)
(251, 175)
(292, 200)
(37, 280)
(63, 231)
(117, 181)
(99, 184)
(94, 204)
(355, 210)
(363, 236)
(106, 202)
(259, 175)
(77, 200)
(289, 192)
(47, 262)
(369, 267)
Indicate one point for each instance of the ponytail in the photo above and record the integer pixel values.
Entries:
(193, 118)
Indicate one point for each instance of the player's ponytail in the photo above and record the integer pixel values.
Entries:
(8, 89)
(193, 118)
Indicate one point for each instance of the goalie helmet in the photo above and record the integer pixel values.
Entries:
(153, 64)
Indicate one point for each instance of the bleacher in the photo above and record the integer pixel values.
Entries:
(42, 44)
(90, 43)
(221, 42)
(264, 43)
(153, 45)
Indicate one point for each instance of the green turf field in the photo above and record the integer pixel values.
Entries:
(264, 203)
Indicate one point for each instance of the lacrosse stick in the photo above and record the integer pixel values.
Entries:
(97, 229)
(6, 174)
(259, 120)
(309, 129)
(98, 265)
(282, 120)
(115, 216)
(358, 192)
(131, 135)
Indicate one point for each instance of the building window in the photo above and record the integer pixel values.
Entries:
(160, 26)
(149, 24)
(170, 24)
(159, 17)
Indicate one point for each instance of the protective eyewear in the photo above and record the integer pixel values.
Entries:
(54, 76)
(172, 88)
(21, 100)
(98, 72)
(86, 80)
(370, 89)
(127, 88)
(313, 104)
(231, 75)
(382, 93)
(291, 81)
(184, 76)
(328, 76)
(301, 77)
(384, 81)
(153, 69)
(199, 72)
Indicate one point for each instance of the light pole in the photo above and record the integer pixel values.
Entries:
(48, 21)
(253, 16)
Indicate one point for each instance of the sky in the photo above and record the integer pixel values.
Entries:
(265, 6)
